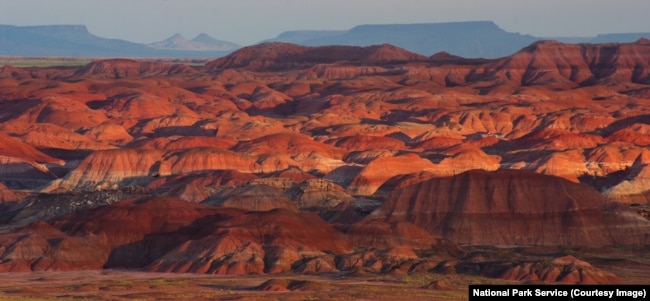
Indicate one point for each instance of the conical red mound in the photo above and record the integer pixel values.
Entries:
(509, 207)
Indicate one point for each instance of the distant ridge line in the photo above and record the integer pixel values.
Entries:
(470, 39)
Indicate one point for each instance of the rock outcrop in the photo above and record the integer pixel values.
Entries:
(373, 175)
(254, 198)
(237, 245)
(164, 234)
(509, 207)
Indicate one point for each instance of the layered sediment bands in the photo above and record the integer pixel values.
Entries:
(23, 152)
(634, 187)
(240, 245)
(390, 233)
(179, 142)
(403, 155)
(254, 198)
(164, 234)
(566, 269)
(335, 131)
(42, 247)
(294, 145)
(277, 150)
(52, 108)
(367, 143)
(125, 167)
(203, 159)
(614, 157)
(137, 226)
(510, 207)
(49, 136)
(168, 235)
(379, 170)
(567, 164)
(403, 180)
(464, 157)
(444, 162)
(566, 66)
(197, 187)
(321, 196)
(103, 169)
(108, 132)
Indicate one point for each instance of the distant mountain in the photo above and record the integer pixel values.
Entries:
(75, 40)
(202, 42)
(61, 40)
(176, 41)
(476, 39)
(569, 40)
(305, 36)
(603, 38)
(467, 39)
(215, 43)
(620, 37)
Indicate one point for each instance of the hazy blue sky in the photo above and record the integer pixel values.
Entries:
(249, 21)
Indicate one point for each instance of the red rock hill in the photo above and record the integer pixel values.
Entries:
(509, 207)
(274, 56)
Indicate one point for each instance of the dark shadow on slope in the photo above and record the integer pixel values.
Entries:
(140, 253)
(626, 122)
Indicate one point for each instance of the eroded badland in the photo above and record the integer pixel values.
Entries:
(326, 172)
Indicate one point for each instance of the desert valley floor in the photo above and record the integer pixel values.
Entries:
(300, 173)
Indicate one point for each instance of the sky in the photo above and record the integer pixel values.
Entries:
(248, 22)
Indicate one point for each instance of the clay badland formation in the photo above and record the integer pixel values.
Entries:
(336, 160)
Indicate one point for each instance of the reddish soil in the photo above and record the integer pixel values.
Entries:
(338, 161)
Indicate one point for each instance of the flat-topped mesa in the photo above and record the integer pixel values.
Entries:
(510, 207)
(284, 56)
(469, 39)
(422, 27)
